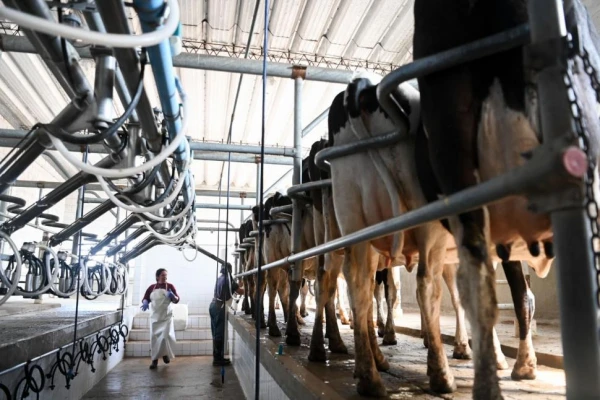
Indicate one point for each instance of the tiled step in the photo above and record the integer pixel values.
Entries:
(198, 321)
(182, 348)
(188, 334)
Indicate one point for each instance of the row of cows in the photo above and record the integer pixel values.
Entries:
(467, 125)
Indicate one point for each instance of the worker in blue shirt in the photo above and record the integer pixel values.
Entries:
(224, 288)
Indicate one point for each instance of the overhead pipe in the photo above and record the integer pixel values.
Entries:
(50, 199)
(207, 253)
(130, 238)
(198, 61)
(10, 137)
(150, 13)
(216, 221)
(62, 170)
(314, 123)
(34, 146)
(81, 223)
(140, 248)
(92, 187)
(216, 229)
(115, 232)
(224, 206)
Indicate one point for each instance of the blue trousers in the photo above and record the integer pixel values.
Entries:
(217, 320)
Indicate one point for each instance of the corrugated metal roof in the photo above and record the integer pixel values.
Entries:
(346, 33)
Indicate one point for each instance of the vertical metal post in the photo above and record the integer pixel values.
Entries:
(40, 194)
(297, 175)
(257, 179)
(3, 211)
(117, 221)
(577, 285)
(79, 213)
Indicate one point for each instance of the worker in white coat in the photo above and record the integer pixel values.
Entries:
(159, 297)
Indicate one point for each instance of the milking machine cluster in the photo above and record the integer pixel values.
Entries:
(35, 269)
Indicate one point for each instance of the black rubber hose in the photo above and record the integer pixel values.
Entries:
(67, 137)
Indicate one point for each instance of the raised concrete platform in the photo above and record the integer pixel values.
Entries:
(23, 307)
(292, 376)
(25, 336)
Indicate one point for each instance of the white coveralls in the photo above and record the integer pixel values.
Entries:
(162, 330)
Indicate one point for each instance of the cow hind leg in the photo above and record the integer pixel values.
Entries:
(303, 295)
(389, 337)
(292, 331)
(261, 310)
(272, 320)
(526, 365)
(462, 350)
(340, 309)
(476, 285)
(361, 300)
(423, 325)
(429, 289)
(380, 361)
(317, 342)
(378, 294)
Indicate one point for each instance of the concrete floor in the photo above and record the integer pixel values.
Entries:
(407, 377)
(183, 378)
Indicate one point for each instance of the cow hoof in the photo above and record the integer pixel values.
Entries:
(317, 354)
(462, 352)
(371, 388)
(263, 325)
(292, 340)
(345, 322)
(501, 364)
(274, 331)
(248, 312)
(525, 371)
(303, 314)
(425, 342)
(338, 347)
(382, 365)
(300, 321)
(389, 339)
(380, 332)
(442, 383)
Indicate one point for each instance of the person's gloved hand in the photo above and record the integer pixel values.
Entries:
(145, 305)
(171, 295)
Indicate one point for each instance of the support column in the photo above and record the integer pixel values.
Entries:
(576, 269)
(296, 273)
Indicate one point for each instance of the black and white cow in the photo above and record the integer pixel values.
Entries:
(480, 118)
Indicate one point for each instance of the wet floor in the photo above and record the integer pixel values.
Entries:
(407, 376)
(183, 378)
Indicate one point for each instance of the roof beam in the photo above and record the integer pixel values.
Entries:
(20, 44)
(202, 150)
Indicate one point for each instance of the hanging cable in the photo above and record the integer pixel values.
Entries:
(127, 172)
(43, 25)
(58, 132)
(260, 203)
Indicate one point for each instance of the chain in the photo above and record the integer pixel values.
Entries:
(584, 142)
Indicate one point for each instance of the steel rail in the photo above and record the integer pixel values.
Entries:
(545, 162)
